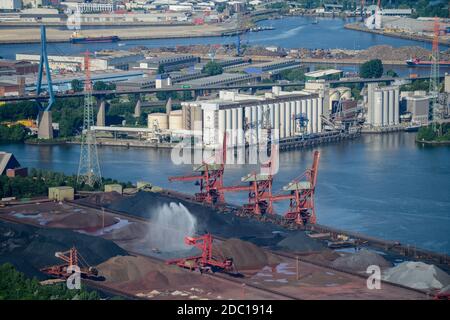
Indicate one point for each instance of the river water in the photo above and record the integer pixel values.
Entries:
(381, 185)
(289, 32)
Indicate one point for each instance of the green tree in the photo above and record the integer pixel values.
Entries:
(391, 73)
(161, 69)
(371, 69)
(76, 85)
(15, 286)
(221, 7)
(293, 75)
(15, 133)
(212, 68)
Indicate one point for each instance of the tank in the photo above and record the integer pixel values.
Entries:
(346, 93)
(158, 119)
(176, 120)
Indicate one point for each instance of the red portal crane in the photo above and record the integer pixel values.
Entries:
(301, 196)
(205, 261)
(210, 179)
(71, 258)
(259, 186)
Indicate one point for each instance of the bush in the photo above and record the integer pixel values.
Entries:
(212, 68)
(371, 69)
(15, 133)
(15, 286)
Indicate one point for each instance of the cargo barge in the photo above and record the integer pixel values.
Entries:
(418, 62)
(79, 38)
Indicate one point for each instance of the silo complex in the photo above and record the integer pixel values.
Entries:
(382, 105)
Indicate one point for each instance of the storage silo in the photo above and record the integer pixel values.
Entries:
(377, 107)
(345, 93)
(176, 120)
(158, 119)
(386, 107)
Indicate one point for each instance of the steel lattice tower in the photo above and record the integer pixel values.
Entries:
(434, 75)
(89, 167)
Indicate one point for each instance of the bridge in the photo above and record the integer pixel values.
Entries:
(103, 93)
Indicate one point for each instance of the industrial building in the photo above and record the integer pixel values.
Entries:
(7, 161)
(382, 105)
(329, 74)
(273, 67)
(104, 60)
(63, 82)
(10, 4)
(418, 106)
(151, 81)
(12, 67)
(169, 63)
(246, 116)
(221, 79)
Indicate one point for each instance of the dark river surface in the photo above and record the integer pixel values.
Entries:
(381, 185)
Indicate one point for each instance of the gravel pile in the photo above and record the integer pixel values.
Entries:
(245, 255)
(385, 52)
(360, 260)
(418, 275)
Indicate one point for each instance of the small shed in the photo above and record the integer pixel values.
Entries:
(113, 187)
(61, 193)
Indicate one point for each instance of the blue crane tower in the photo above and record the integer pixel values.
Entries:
(45, 129)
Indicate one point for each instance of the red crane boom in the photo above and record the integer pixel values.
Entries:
(301, 196)
(205, 261)
(210, 179)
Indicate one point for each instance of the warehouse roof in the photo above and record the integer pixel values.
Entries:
(322, 73)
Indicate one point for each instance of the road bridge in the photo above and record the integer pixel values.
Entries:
(103, 93)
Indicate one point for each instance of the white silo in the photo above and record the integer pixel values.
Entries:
(309, 114)
(396, 105)
(385, 114)
(377, 108)
(391, 107)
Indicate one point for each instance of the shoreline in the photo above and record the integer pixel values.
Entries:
(31, 35)
(357, 27)
(434, 142)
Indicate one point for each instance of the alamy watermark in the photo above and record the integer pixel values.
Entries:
(374, 280)
(230, 146)
(73, 282)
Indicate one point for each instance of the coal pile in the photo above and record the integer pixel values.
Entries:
(147, 204)
(300, 242)
(102, 198)
(245, 254)
(30, 248)
(359, 261)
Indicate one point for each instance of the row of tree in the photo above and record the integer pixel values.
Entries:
(38, 182)
(14, 285)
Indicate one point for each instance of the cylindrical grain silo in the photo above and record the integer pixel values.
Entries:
(175, 120)
(391, 107)
(158, 120)
(377, 108)
(314, 115)
(385, 114)
(396, 106)
(309, 115)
